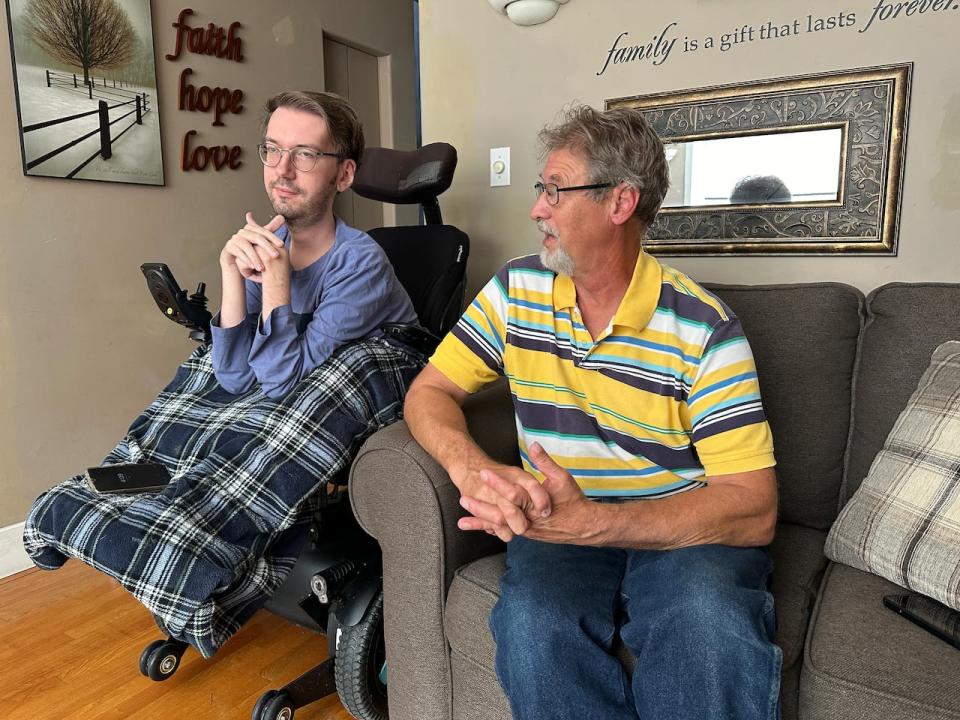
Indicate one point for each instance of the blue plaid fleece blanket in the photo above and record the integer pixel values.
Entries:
(210, 550)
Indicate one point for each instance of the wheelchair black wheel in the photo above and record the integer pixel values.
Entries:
(359, 666)
(160, 659)
(273, 705)
(145, 657)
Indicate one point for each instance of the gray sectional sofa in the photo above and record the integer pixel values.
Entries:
(836, 368)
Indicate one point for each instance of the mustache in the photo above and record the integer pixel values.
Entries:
(546, 229)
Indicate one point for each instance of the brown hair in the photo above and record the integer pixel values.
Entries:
(619, 146)
(342, 121)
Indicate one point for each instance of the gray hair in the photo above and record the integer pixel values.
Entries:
(342, 121)
(618, 145)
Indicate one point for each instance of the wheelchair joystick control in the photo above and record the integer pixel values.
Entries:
(199, 299)
(173, 302)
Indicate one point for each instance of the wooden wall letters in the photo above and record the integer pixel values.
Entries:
(211, 40)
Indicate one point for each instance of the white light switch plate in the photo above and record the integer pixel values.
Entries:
(499, 166)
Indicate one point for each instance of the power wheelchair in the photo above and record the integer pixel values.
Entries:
(335, 588)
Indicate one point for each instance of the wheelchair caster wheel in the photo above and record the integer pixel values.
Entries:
(160, 659)
(273, 705)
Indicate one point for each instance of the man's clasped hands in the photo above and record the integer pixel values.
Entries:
(509, 501)
(255, 250)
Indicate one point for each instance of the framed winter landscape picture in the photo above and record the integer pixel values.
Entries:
(86, 86)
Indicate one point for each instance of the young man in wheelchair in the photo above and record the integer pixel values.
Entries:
(304, 283)
(252, 427)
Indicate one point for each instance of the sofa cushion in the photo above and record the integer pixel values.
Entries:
(798, 565)
(474, 591)
(905, 322)
(476, 691)
(864, 662)
(804, 339)
(903, 523)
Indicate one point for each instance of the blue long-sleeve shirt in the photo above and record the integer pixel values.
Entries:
(346, 295)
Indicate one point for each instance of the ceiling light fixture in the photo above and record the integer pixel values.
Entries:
(527, 12)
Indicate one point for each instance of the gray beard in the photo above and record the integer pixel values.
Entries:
(557, 260)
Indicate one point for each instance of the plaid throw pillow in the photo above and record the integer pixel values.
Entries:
(903, 523)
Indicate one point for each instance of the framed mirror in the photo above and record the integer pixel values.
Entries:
(801, 165)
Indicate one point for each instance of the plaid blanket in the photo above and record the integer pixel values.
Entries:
(207, 552)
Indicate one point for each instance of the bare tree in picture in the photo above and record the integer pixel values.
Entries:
(84, 33)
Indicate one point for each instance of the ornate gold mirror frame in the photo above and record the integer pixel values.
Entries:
(870, 107)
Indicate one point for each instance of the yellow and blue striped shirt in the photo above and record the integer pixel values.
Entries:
(665, 396)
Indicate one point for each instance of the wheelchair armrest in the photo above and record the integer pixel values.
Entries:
(413, 336)
(404, 499)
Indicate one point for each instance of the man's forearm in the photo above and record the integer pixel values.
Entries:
(720, 513)
(233, 307)
(276, 293)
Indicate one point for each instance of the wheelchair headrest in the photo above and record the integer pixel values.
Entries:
(404, 177)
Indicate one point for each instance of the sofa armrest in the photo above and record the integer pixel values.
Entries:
(404, 499)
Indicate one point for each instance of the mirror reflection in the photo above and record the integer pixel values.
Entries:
(792, 167)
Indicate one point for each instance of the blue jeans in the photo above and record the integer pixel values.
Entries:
(699, 621)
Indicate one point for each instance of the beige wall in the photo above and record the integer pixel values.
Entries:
(488, 83)
(82, 346)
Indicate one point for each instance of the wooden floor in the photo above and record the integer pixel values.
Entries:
(70, 641)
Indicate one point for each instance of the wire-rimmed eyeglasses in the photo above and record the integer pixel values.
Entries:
(304, 159)
(553, 191)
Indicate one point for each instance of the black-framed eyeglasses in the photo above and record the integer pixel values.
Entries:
(304, 159)
(553, 191)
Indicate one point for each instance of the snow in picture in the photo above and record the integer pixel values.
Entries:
(86, 90)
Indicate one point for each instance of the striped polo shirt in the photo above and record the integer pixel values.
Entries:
(664, 398)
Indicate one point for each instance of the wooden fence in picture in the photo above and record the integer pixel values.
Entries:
(93, 86)
(141, 106)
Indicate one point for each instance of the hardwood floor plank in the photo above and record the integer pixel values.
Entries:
(70, 641)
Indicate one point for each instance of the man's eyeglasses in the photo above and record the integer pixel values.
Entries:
(553, 191)
(304, 159)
